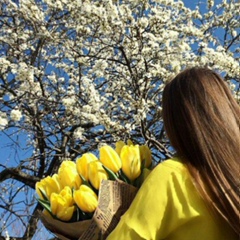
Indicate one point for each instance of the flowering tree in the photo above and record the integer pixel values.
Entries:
(76, 74)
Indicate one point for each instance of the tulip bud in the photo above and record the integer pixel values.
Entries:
(146, 155)
(129, 142)
(68, 175)
(86, 199)
(62, 204)
(82, 164)
(47, 186)
(119, 146)
(110, 158)
(96, 174)
(131, 162)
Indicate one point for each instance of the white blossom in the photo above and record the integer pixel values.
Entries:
(68, 101)
(3, 120)
(16, 115)
(78, 133)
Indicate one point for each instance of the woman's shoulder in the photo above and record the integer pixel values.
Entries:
(169, 172)
(174, 164)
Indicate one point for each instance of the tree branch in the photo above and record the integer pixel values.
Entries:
(17, 174)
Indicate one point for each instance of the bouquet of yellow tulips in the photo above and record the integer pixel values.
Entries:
(71, 196)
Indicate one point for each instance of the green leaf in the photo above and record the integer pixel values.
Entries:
(111, 174)
(45, 204)
(139, 181)
(123, 177)
(143, 164)
(82, 215)
(84, 181)
(43, 194)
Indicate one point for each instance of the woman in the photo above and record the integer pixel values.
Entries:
(194, 196)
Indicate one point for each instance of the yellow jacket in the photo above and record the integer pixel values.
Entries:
(168, 206)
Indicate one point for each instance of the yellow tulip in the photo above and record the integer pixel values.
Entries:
(68, 175)
(82, 164)
(146, 155)
(118, 146)
(131, 161)
(48, 185)
(129, 142)
(96, 174)
(86, 199)
(62, 204)
(110, 158)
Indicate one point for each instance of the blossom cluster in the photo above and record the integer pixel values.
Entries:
(116, 58)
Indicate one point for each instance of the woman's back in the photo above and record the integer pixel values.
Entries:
(168, 206)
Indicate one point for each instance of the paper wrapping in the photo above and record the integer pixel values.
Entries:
(114, 199)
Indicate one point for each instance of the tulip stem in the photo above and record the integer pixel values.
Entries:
(123, 177)
(111, 174)
(80, 215)
(84, 181)
(46, 205)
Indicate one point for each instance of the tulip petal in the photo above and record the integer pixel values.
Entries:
(146, 155)
(119, 145)
(110, 158)
(66, 213)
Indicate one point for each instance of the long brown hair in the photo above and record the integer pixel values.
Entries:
(202, 121)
